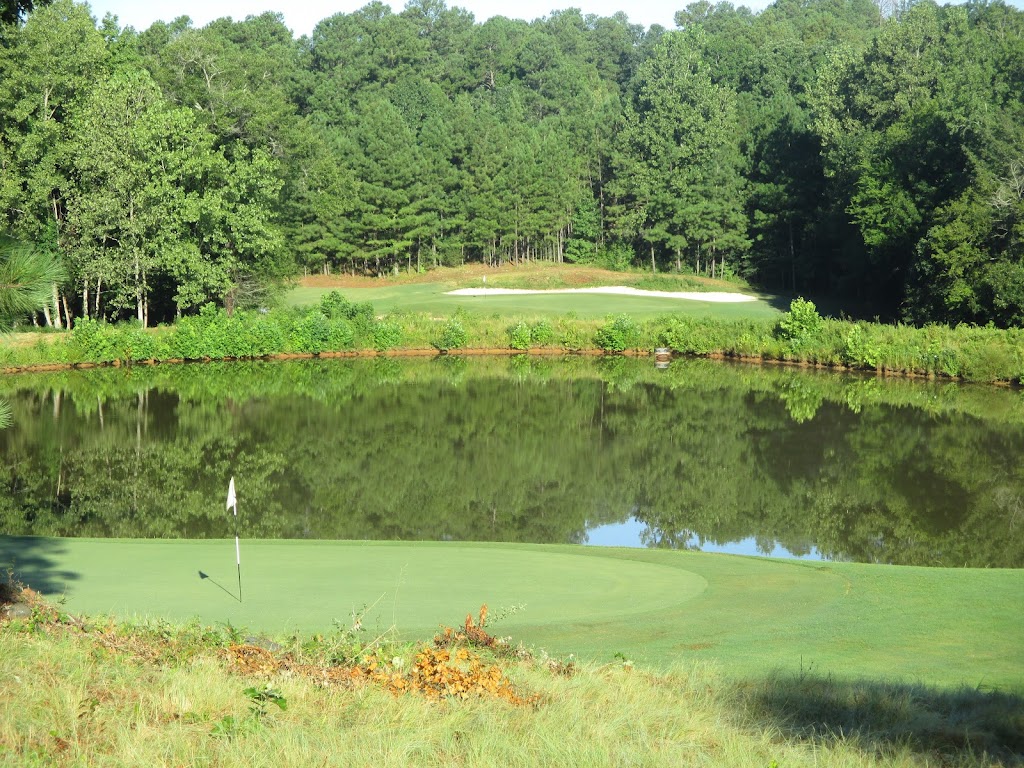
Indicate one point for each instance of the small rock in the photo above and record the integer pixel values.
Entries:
(263, 642)
(19, 611)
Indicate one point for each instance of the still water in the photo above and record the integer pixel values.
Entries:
(609, 452)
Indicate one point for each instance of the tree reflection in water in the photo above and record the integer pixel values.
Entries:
(524, 449)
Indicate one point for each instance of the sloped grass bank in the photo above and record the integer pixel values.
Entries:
(337, 326)
(77, 691)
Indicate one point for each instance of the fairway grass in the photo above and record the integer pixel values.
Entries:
(750, 616)
(434, 299)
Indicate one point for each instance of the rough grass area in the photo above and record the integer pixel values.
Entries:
(752, 616)
(88, 692)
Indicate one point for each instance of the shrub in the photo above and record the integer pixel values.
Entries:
(615, 256)
(99, 342)
(519, 336)
(312, 333)
(860, 349)
(341, 334)
(334, 305)
(452, 335)
(802, 324)
(90, 341)
(572, 336)
(259, 334)
(212, 334)
(620, 334)
(360, 317)
(387, 334)
(364, 322)
(690, 337)
(542, 333)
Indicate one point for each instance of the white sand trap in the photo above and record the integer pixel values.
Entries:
(716, 297)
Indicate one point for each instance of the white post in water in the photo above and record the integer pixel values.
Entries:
(233, 504)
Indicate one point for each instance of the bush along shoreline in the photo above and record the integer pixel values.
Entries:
(337, 326)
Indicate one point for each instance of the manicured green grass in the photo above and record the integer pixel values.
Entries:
(749, 615)
(432, 298)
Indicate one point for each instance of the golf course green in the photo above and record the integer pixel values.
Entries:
(750, 615)
(435, 299)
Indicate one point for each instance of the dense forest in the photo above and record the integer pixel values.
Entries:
(873, 152)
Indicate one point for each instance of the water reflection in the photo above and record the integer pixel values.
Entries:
(637, 534)
(697, 456)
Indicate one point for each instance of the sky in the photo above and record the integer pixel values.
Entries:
(301, 16)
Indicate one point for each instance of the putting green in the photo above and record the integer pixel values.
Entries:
(750, 615)
(307, 585)
(433, 298)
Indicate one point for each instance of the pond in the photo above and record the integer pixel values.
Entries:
(606, 451)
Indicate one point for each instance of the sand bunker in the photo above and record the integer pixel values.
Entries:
(718, 297)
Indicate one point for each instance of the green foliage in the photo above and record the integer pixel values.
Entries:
(860, 349)
(572, 336)
(975, 354)
(811, 149)
(213, 334)
(615, 256)
(333, 305)
(387, 334)
(523, 335)
(519, 336)
(451, 335)
(231, 727)
(360, 314)
(261, 698)
(27, 277)
(802, 325)
(311, 333)
(692, 336)
(620, 334)
(341, 335)
(542, 333)
(94, 341)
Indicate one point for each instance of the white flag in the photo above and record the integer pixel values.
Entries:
(232, 501)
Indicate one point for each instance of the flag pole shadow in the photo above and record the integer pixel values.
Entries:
(207, 577)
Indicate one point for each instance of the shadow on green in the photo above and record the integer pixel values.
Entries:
(877, 717)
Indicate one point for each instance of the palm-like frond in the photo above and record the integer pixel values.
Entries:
(27, 275)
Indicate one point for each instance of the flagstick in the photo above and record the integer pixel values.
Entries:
(233, 504)
(238, 560)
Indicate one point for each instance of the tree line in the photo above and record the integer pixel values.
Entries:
(871, 152)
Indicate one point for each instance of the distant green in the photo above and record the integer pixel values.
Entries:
(433, 298)
(753, 616)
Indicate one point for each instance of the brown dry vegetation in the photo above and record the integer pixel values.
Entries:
(92, 692)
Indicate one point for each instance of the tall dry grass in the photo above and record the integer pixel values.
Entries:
(76, 693)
